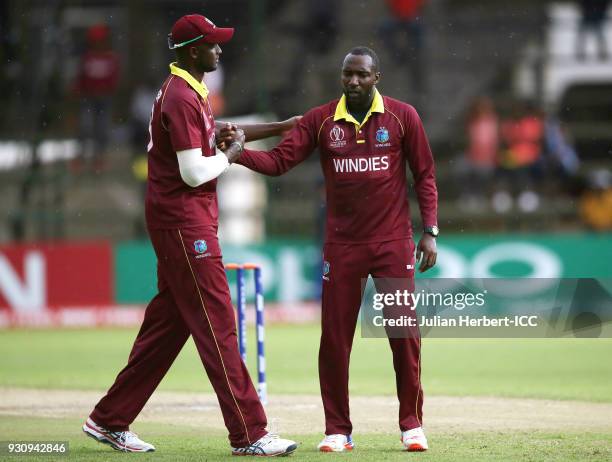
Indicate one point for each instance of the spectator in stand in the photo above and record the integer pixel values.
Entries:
(480, 158)
(593, 19)
(405, 21)
(520, 161)
(96, 83)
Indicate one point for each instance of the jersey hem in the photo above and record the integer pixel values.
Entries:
(369, 241)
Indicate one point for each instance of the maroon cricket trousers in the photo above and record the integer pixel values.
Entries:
(193, 299)
(345, 267)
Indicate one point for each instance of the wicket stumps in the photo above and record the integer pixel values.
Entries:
(259, 320)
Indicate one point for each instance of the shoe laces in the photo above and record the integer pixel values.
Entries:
(127, 437)
(335, 438)
(414, 434)
(267, 438)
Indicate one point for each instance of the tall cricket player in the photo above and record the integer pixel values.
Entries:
(365, 140)
(182, 220)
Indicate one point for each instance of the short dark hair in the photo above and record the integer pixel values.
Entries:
(365, 51)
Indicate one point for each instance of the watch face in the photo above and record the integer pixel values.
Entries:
(433, 230)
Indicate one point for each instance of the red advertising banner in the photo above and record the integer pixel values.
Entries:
(35, 277)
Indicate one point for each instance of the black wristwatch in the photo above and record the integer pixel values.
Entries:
(432, 230)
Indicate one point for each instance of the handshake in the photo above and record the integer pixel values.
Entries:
(231, 141)
(230, 138)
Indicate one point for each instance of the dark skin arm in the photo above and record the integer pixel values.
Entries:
(253, 132)
(426, 252)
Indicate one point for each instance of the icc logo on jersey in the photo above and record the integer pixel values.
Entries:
(336, 135)
(382, 135)
(200, 246)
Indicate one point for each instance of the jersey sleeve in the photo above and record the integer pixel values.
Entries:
(297, 145)
(421, 162)
(182, 119)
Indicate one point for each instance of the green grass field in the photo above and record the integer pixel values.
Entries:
(577, 369)
(179, 443)
(560, 369)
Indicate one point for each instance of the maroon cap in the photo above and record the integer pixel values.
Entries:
(192, 28)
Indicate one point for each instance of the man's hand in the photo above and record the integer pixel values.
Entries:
(226, 136)
(233, 143)
(426, 252)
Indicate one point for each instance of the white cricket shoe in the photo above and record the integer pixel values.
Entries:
(268, 445)
(336, 443)
(126, 441)
(414, 440)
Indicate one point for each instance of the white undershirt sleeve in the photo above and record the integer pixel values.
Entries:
(196, 169)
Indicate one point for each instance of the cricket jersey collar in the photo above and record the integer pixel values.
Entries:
(342, 112)
(199, 87)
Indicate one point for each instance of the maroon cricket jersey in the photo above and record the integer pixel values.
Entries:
(364, 167)
(181, 119)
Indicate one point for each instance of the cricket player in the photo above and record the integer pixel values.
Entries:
(365, 141)
(194, 298)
